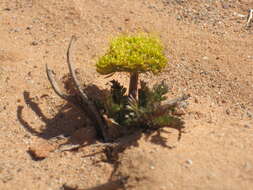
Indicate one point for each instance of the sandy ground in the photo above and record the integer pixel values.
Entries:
(210, 56)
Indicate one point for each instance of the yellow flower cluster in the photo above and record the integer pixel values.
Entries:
(133, 53)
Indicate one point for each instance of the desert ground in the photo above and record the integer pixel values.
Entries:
(210, 53)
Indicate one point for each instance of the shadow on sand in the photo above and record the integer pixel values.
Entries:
(69, 119)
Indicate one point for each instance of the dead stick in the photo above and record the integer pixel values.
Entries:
(249, 18)
(170, 104)
(95, 116)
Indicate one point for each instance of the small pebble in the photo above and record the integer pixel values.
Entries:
(205, 58)
(249, 114)
(16, 30)
(34, 43)
(225, 5)
(247, 126)
(247, 166)
(7, 9)
(189, 162)
(179, 18)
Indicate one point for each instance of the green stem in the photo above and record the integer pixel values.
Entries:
(133, 85)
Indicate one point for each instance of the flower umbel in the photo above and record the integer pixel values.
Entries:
(133, 53)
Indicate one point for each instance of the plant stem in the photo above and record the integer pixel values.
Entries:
(133, 85)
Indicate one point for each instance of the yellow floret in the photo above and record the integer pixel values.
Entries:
(133, 53)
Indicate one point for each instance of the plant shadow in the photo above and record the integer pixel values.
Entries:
(70, 119)
(111, 185)
(66, 121)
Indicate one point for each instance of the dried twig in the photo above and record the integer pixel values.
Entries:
(69, 98)
(249, 18)
(174, 102)
(72, 72)
(70, 147)
(86, 105)
(55, 85)
(94, 114)
(171, 103)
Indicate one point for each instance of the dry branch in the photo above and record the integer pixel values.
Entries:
(55, 85)
(170, 104)
(174, 102)
(72, 72)
(86, 104)
(249, 18)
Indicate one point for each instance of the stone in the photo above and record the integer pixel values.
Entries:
(247, 166)
(189, 162)
(34, 43)
(205, 58)
(40, 151)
